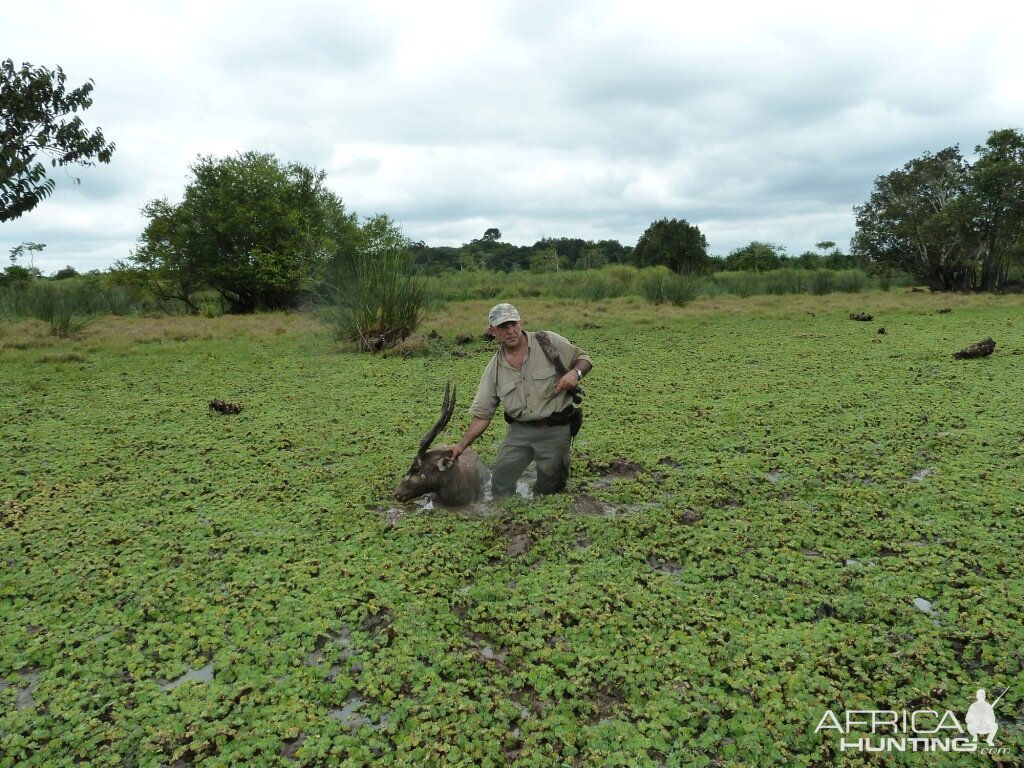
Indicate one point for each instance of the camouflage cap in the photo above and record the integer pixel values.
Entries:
(502, 313)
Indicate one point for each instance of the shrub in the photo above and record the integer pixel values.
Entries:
(659, 285)
(368, 295)
(850, 281)
(821, 282)
(782, 282)
(741, 284)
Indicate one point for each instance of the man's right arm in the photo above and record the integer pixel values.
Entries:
(476, 428)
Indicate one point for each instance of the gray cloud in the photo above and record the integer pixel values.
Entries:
(588, 119)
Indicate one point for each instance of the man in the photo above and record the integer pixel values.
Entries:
(537, 402)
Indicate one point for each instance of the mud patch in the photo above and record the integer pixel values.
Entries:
(484, 650)
(689, 517)
(378, 626)
(665, 566)
(728, 503)
(519, 544)
(586, 504)
(24, 697)
(617, 469)
(924, 606)
(292, 746)
(608, 704)
(518, 538)
(352, 720)
(323, 646)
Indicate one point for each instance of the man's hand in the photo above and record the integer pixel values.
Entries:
(456, 451)
(568, 382)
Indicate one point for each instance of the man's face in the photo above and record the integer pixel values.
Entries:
(506, 332)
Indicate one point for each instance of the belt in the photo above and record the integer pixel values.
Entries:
(560, 419)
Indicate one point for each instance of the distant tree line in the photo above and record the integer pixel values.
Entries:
(265, 235)
(673, 243)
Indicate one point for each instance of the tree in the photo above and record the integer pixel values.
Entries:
(915, 221)
(955, 225)
(26, 248)
(162, 261)
(591, 257)
(756, 257)
(544, 259)
(35, 118)
(65, 274)
(249, 227)
(998, 195)
(676, 244)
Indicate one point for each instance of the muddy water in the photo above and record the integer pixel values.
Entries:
(483, 508)
(201, 675)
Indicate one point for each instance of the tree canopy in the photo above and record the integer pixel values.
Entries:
(954, 224)
(250, 227)
(676, 244)
(37, 116)
(756, 257)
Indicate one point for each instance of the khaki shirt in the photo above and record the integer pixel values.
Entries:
(528, 394)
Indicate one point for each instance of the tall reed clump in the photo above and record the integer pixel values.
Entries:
(740, 284)
(821, 282)
(67, 306)
(368, 295)
(850, 281)
(660, 285)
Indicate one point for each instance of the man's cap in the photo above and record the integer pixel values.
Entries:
(502, 313)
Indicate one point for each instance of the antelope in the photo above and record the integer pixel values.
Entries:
(454, 482)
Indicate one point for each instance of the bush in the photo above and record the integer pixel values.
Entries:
(850, 281)
(782, 282)
(821, 282)
(741, 284)
(660, 285)
(368, 295)
(374, 313)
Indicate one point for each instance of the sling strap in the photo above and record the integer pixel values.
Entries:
(549, 352)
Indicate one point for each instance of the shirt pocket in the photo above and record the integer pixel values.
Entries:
(512, 396)
(542, 382)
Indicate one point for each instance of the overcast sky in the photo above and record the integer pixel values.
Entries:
(752, 120)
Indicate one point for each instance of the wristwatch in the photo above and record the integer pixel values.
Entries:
(579, 374)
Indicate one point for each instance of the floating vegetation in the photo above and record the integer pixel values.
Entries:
(771, 513)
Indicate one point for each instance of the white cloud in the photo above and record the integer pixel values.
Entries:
(765, 121)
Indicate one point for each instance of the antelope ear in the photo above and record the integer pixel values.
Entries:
(445, 463)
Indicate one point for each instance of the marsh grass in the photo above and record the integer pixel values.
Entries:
(657, 285)
(762, 495)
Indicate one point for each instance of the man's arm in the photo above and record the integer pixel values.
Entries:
(571, 379)
(476, 428)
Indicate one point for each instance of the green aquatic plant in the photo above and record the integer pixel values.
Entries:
(763, 497)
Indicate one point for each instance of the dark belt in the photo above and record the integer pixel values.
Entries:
(560, 419)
